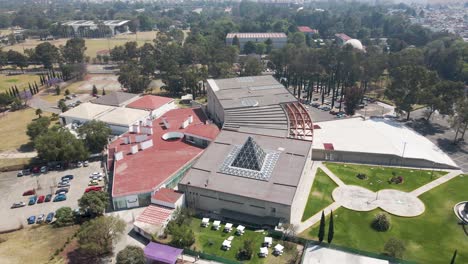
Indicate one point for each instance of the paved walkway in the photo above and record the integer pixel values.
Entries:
(316, 218)
(452, 174)
(17, 155)
(332, 176)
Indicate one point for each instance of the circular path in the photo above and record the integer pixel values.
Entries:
(393, 201)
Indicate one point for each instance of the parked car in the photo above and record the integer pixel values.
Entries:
(93, 182)
(41, 199)
(341, 115)
(58, 166)
(60, 197)
(79, 164)
(44, 169)
(333, 112)
(63, 184)
(97, 178)
(86, 163)
(93, 189)
(36, 170)
(26, 172)
(48, 198)
(18, 205)
(61, 190)
(315, 104)
(20, 173)
(40, 219)
(67, 177)
(29, 192)
(31, 219)
(315, 99)
(325, 108)
(50, 217)
(95, 174)
(32, 200)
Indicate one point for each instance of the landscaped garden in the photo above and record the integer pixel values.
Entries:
(320, 194)
(21, 81)
(377, 178)
(208, 240)
(429, 238)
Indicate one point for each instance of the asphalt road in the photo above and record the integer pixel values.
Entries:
(440, 133)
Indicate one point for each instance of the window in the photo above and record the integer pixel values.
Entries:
(273, 210)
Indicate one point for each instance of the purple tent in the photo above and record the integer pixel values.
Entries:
(162, 253)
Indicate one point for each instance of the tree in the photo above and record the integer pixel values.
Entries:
(17, 59)
(459, 118)
(93, 203)
(39, 112)
(251, 67)
(235, 42)
(96, 237)
(454, 257)
(74, 50)
(94, 91)
(381, 222)
(182, 235)
(131, 77)
(407, 85)
(298, 39)
(57, 90)
(321, 233)
(246, 252)
(394, 248)
(249, 47)
(441, 97)
(5, 100)
(67, 92)
(103, 91)
(352, 99)
(331, 229)
(59, 144)
(62, 105)
(38, 127)
(131, 255)
(47, 54)
(64, 217)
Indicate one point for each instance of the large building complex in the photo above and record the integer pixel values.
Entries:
(115, 26)
(254, 171)
(156, 154)
(278, 40)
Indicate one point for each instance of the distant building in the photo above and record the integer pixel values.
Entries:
(307, 30)
(116, 26)
(279, 40)
(341, 38)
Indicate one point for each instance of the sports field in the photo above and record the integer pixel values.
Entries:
(21, 81)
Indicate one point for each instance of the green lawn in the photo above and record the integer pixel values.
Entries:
(21, 81)
(209, 241)
(320, 195)
(429, 238)
(378, 177)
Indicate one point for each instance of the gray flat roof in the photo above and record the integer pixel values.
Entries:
(115, 98)
(281, 186)
(253, 104)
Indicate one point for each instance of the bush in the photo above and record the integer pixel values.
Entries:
(397, 179)
(362, 176)
(394, 248)
(381, 222)
(246, 252)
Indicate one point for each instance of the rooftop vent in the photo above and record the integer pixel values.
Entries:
(166, 123)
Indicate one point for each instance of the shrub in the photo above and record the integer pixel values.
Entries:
(362, 176)
(394, 248)
(396, 179)
(381, 222)
(246, 252)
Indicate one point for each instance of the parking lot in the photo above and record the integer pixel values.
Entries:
(12, 188)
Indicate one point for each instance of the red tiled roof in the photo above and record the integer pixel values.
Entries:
(155, 215)
(167, 195)
(149, 168)
(328, 146)
(305, 29)
(150, 102)
(343, 36)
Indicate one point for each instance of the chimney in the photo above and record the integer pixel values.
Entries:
(190, 118)
(134, 149)
(166, 123)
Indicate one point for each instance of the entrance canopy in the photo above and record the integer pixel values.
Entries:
(162, 253)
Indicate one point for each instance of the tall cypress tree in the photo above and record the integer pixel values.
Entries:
(30, 89)
(331, 229)
(17, 91)
(321, 233)
(454, 257)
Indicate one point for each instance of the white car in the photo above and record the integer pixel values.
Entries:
(97, 178)
(95, 174)
(79, 164)
(86, 163)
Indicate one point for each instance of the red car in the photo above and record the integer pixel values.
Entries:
(41, 199)
(93, 189)
(29, 192)
(36, 170)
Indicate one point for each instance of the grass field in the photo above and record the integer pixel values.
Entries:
(430, 238)
(92, 45)
(13, 128)
(21, 81)
(378, 177)
(320, 194)
(33, 245)
(16, 163)
(210, 241)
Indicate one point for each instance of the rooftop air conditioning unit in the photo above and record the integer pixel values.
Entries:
(134, 149)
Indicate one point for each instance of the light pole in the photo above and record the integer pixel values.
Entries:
(403, 152)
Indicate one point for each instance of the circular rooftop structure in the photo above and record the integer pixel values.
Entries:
(172, 136)
(355, 43)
